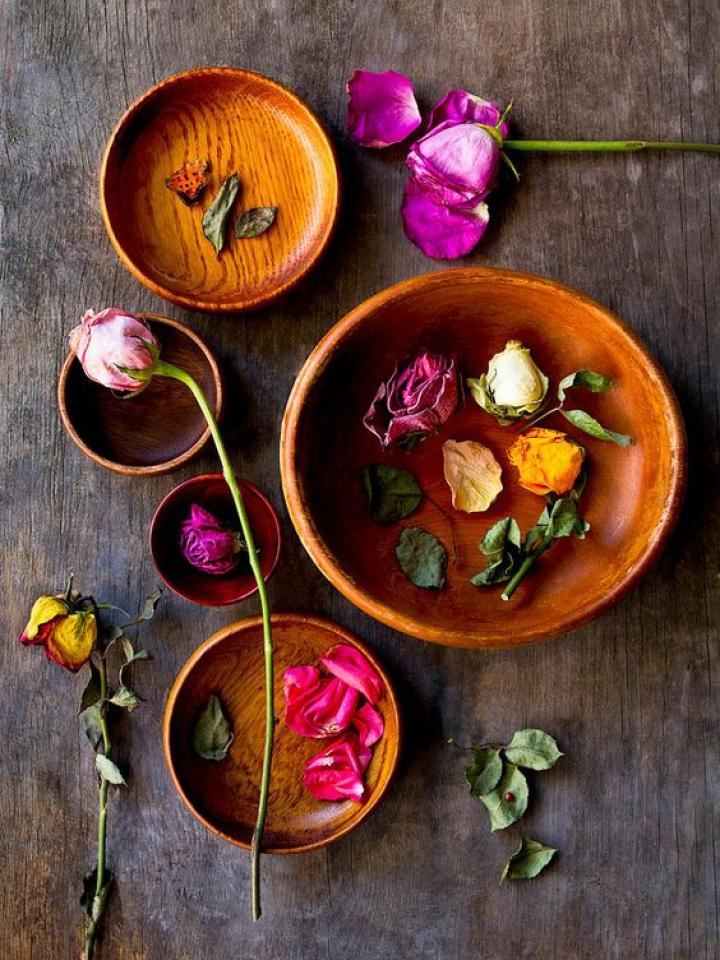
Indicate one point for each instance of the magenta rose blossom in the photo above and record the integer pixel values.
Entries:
(444, 233)
(111, 343)
(336, 773)
(382, 109)
(317, 707)
(459, 106)
(456, 163)
(206, 544)
(416, 401)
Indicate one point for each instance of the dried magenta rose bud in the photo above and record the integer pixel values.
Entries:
(207, 545)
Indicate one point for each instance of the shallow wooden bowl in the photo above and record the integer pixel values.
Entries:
(242, 123)
(633, 495)
(155, 431)
(224, 795)
(211, 492)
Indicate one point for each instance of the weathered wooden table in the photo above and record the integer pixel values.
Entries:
(634, 806)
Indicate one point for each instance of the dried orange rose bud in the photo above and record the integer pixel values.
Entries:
(547, 462)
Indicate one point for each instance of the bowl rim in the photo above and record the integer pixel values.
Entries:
(244, 486)
(312, 540)
(154, 469)
(239, 304)
(279, 619)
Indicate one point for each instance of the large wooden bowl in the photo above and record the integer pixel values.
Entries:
(632, 498)
(242, 123)
(156, 431)
(224, 795)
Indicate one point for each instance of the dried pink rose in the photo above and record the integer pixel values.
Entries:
(207, 545)
(318, 707)
(115, 348)
(369, 724)
(444, 233)
(459, 106)
(416, 401)
(457, 163)
(351, 666)
(336, 773)
(382, 109)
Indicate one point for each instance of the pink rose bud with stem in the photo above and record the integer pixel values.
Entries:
(115, 348)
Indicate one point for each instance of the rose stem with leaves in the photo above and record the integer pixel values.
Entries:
(102, 815)
(169, 370)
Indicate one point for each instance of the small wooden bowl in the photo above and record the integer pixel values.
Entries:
(211, 492)
(242, 123)
(224, 795)
(155, 431)
(633, 495)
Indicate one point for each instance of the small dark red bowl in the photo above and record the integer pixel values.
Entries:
(211, 492)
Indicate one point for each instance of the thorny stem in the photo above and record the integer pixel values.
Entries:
(92, 929)
(169, 370)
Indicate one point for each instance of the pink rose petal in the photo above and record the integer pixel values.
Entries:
(298, 681)
(323, 710)
(459, 106)
(353, 668)
(439, 231)
(381, 108)
(336, 772)
(458, 163)
(369, 724)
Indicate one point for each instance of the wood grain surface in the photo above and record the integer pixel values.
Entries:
(632, 698)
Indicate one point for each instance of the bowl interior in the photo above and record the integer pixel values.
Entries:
(631, 493)
(151, 429)
(242, 123)
(212, 493)
(224, 795)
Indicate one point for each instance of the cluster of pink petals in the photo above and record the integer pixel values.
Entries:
(416, 401)
(206, 543)
(321, 706)
(112, 342)
(454, 165)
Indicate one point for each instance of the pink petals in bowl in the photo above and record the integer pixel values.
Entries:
(323, 707)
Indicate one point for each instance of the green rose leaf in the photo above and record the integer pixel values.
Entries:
(533, 749)
(211, 735)
(501, 545)
(422, 558)
(91, 722)
(149, 607)
(140, 655)
(91, 693)
(108, 770)
(215, 218)
(509, 800)
(530, 858)
(254, 222)
(583, 421)
(126, 698)
(392, 493)
(484, 771)
(597, 382)
(92, 901)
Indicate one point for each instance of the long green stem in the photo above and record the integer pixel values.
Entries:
(100, 881)
(606, 146)
(169, 370)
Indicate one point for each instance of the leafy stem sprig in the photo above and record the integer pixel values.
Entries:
(596, 383)
(498, 782)
(97, 701)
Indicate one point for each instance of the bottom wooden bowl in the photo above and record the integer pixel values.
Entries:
(223, 795)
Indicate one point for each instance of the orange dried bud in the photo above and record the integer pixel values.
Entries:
(547, 462)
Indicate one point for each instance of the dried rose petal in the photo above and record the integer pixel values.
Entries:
(369, 724)
(353, 668)
(381, 108)
(439, 231)
(206, 544)
(419, 397)
(459, 106)
(336, 772)
(458, 163)
(322, 710)
(472, 473)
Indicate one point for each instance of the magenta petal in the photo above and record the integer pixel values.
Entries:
(440, 231)
(298, 681)
(458, 163)
(325, 710)
(353, 667)
(381, 108)
(336, 772)
(459, 106)
(369, 724)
